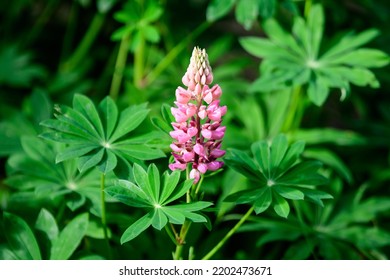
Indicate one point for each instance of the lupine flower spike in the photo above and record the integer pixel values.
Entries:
(198, 115)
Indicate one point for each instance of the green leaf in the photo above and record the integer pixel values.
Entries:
(6, 253)
(72, 121)
(241, 162)
(86, 107)
(349, 42)
(47, 224)
(161, 124)
(154, 181)
(267, 8)
(258, 47)
(315, 24)
(218, 8)
(153, 12)
(137, 228)
(105, 5)
(246, 12)
(281, 206)
(299, 250)
(69, 238)
(174, 216)
(151, 34)
(33, 146)
(179, 191)
(159, 219)
(129, 119)
(109, 115)
(361, 58)
(129, 194)
(356, 76)
(263, 202)
(196, 218)
(74, 151)
(332, 160)
(329, 135)
(90, 160)
(261, 153)
(278, 150)
(246, 196)
(247, 111)
(109, 162)
(285, 43)
(315, 196)
(318, 90)
(289, 193)
(17, 68)
(137, 151)
(292, 155)
(193, 206)
(142, 180)
(169, 185)
(303, 173)
(20, 238)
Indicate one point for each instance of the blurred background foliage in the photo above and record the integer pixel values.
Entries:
(136, 51)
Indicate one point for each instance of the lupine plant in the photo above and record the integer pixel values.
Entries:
(122, 144)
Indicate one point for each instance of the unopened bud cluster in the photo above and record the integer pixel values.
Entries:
(198, 115)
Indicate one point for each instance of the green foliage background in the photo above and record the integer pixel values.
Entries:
(136, 51)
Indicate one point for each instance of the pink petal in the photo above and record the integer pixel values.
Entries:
(202, 112)
(192, 131)
(179, 115)
(188, 156)
(180, 166)
(209, 78)
(202, 167)
(208, 98)
(215, 165)
(215, 116)
(199, 149)
(194, 174)
(182, 95)
(217, 153)
(206, 133)
(175, 148)
(191, 110)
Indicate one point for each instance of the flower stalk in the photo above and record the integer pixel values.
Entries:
(198, 115)
(197, 130)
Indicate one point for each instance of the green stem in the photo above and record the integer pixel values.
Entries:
(199, 184)
(41, 21)
(70, 31)
(61, 211)
(119, 66)
(181, 241)
(139, 60)
(170, 57)
(308, 4)
(293, 109)
(304, 228)
(228, 235)
(104, 219)
(170, 234)
(83, 48)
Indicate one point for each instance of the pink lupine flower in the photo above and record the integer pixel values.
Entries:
(198, 115)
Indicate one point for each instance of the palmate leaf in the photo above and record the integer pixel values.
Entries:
(21, 239)
(156, 195)
(290, 60)
(279, 176)
(69, 238)
(37, 173)
(95, 134)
